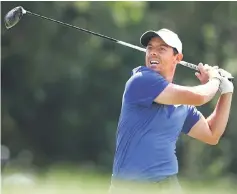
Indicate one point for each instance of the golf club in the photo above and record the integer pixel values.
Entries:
(15, 15)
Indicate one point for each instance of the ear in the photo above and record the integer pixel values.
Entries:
(178, 58)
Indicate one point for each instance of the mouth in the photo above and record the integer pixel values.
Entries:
(154, 63)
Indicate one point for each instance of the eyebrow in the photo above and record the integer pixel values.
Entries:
(165, 45)
(149, 44)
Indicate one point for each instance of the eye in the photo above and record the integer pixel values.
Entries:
(149, 47)
(163, 48)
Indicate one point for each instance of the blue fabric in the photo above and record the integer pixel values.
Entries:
(147, 132)
(144, 86)
(192, 118)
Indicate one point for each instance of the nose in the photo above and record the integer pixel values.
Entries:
(153, 52)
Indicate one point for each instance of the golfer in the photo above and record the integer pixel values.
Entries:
(155, 111)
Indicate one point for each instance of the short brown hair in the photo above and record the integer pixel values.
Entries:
(175, 51)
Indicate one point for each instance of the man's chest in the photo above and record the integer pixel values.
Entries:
(169, 118)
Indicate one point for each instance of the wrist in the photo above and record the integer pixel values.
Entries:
(216, 80)
(226, 87)
(224, 91)
(227, 94)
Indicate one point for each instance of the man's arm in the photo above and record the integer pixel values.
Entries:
(211, 129)
(197, 95)
(217, 121)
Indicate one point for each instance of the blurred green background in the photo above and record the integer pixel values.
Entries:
(61, 91)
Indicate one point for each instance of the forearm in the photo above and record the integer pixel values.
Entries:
(217, 121)
(207, 91)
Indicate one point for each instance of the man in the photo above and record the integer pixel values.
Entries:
(155, 111)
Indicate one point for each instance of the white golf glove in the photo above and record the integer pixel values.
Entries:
(224, 73)
(226, 86)
(213, 72)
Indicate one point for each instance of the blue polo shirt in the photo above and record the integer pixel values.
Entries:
(147, 131)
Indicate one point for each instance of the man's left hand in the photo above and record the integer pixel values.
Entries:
(226, 86)
(202, 75)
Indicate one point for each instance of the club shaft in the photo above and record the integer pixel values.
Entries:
(184, 63)
(72, 26)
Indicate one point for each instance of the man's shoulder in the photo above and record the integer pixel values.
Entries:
(142, 73)
(141, 69)
(139, 76)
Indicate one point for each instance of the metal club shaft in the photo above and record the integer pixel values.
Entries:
(14, 16)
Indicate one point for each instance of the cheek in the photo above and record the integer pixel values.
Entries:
(167, 60)
(168, 57)
(164, 58)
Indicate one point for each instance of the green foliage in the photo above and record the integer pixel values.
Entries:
(62, 89)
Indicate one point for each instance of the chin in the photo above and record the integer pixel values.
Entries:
(155, 68)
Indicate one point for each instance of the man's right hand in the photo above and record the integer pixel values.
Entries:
(207, 73)
(213, 72)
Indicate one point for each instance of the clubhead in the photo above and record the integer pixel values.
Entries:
(14, 16)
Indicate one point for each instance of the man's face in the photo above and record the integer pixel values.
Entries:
(160, 57)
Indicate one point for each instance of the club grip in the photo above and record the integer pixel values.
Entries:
(195, 67)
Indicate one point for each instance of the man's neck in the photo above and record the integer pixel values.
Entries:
(169, 76)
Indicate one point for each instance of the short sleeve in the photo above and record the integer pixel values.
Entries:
(192, 118)
(143, 87)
